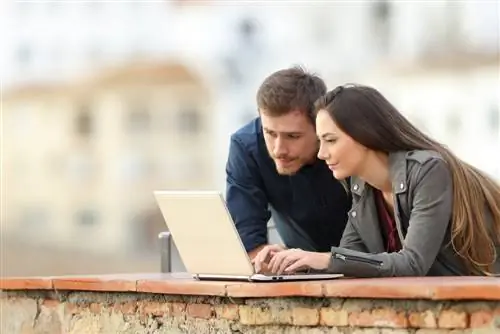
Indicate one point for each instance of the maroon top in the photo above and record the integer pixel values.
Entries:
(387, 225)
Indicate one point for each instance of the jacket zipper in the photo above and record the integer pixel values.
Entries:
(346, 258)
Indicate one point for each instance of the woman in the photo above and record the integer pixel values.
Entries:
(417, 209)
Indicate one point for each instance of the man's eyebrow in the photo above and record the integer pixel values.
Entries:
(284, 132)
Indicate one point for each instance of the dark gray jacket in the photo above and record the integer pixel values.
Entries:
(423, 195)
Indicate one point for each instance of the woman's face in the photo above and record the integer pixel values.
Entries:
(343, 155)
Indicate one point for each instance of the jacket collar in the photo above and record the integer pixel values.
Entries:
(397, 172)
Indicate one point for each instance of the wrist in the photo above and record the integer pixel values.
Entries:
(255, 251)
(327, 260)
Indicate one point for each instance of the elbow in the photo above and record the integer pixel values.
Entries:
(409, 265)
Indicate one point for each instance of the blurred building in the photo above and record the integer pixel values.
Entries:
(80, 161)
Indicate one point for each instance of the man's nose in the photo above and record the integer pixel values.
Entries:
(279, 147)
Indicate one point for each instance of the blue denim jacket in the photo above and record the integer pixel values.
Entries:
(309, 208)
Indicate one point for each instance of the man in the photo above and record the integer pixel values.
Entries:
(273, 170)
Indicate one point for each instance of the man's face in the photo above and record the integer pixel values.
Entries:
(290, 140)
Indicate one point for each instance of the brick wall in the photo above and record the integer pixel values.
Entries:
(30, 312)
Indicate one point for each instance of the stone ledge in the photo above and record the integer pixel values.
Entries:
(72, 312)
(423, 288)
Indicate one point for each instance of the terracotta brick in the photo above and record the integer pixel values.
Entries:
(71, 308)
(282, 289)
(51, 303)
(305, 316)
(482, 318)
(386, 288)
(365, 331)
(154, 308)
(452, 319)
(95, 308)
(227, 311)
(125, 308)
(469, 288)
(182, 286)
(379, 318)
(178, 309)
(432, 331)
(393, 331)
(251, 315)
(333, 318)
(96, 283)
(25, 283)
(426, 319)
(203, 311)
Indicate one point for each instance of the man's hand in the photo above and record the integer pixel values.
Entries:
(262, 255)
(292, 260)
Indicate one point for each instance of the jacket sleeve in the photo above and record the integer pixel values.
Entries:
(429, 220)
(351, 239)
(246, 200)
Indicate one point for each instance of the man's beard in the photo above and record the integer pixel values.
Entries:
(291, 165)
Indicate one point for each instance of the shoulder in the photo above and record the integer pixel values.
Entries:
(247, 145)
(423, 156)
(403, 162)
(427, 166)
(249, 135)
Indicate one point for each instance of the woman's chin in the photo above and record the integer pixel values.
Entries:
(338, 175)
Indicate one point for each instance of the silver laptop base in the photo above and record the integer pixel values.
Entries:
(267, 278)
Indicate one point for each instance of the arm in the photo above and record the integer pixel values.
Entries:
(246, 201)
(351, 239)
(429, 220)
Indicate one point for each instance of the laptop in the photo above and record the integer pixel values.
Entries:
(207, 240)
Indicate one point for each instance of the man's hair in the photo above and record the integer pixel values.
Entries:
(289, 90)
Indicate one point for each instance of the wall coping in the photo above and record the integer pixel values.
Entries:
(427, 288)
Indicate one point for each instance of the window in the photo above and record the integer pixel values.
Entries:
(84, 121)
(24, 55)
(247, 31)
(80, 168)
(493, 118)
(454, 123)
(189, 121)
(86, 218)
(139, 119)
(135, 167)
(34, 218)
(34, 223)
(381, 23)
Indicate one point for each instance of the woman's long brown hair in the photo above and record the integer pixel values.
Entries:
(370, 119)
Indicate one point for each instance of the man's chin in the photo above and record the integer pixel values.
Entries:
(287, 170)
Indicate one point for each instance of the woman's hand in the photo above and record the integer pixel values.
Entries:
(292, 260)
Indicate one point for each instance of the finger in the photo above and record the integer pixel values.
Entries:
(296, 266)
(291, 258)
(280, 257)
(276, 260)
(260, 258)
(287, 262)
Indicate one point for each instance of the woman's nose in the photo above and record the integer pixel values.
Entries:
(321, 153)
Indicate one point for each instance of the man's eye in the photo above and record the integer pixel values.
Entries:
(294, 136)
